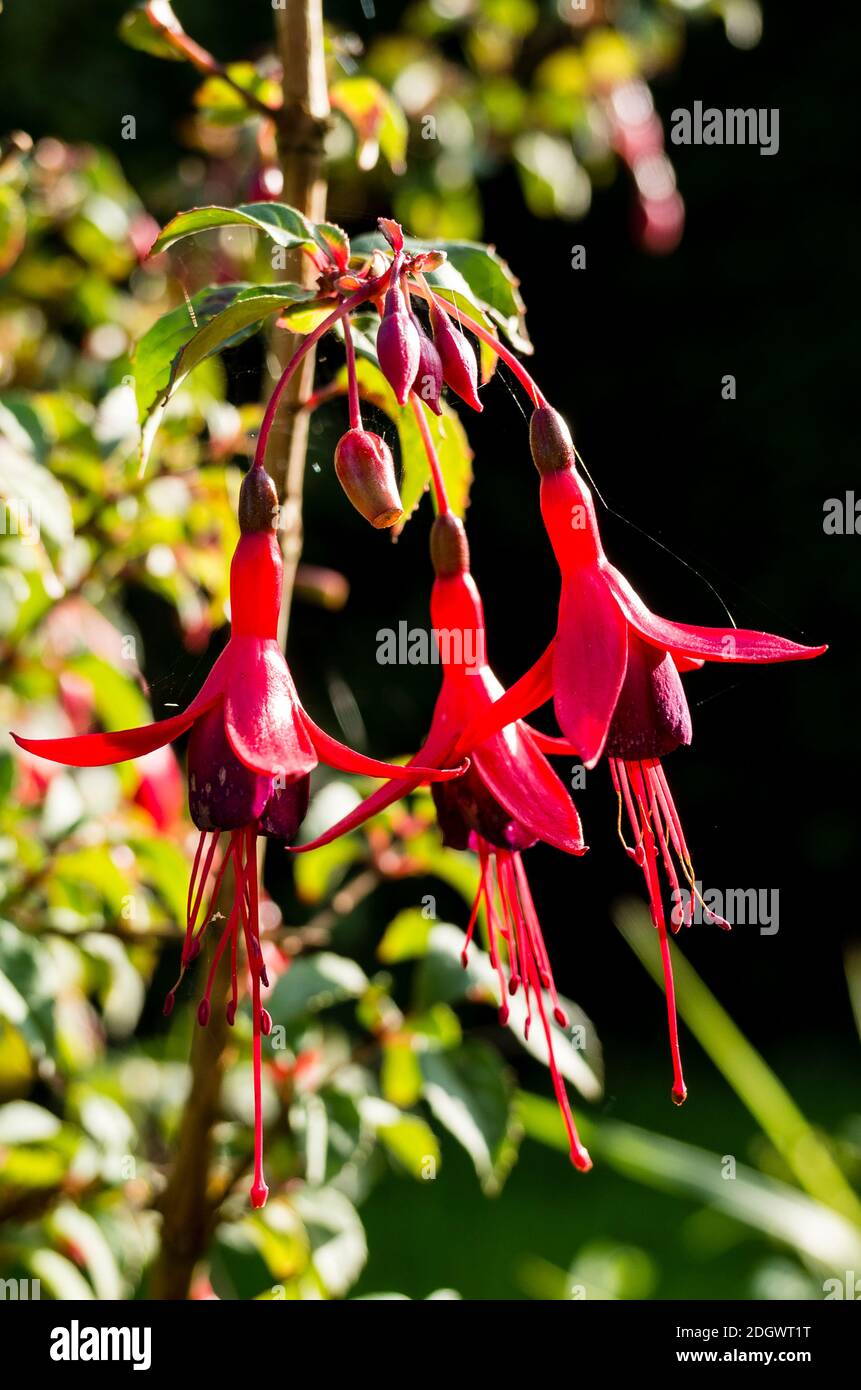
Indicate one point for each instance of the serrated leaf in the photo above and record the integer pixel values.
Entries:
(285, 226)
(183, 338)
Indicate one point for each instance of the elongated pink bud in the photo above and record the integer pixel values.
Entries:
(428, 382)
(366, 472)
(398, 345)
(459, 367)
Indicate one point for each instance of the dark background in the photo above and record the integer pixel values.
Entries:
(703, 492)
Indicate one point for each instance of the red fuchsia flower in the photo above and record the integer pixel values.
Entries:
(508, 800)
(613, 673)
(251, 752)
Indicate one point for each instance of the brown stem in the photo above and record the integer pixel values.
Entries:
(302, 123)
(188, 1208)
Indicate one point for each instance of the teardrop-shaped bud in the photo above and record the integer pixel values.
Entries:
(428, 381)
(258, 502)
(366, 472)
(550, 441)
(398, 345)
(459, 367)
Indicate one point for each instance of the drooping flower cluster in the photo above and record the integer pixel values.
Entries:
(613, 672)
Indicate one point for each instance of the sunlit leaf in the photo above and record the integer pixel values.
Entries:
(138, 31)
(313, 983)
(470, 1093)
(282, 224)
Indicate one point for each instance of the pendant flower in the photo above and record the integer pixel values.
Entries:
(251, 751)
(613, 673)
(507, 800)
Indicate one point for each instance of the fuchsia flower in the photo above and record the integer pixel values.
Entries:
(613, 673)
(251, 752)
(507, 800)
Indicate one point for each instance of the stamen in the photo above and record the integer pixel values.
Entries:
(638, 775)
(537, 938)
(259, 1190)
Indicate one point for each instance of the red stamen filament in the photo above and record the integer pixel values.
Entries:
(420, 412)
(510, 915)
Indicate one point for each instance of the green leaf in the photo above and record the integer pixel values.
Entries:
(337, 1236)
(139, 32)
(28, 988)
(669, 1165)
(442, 977)
(405, 937)
(222, 104)
(750, 1076)
(408, 1138)
(24, 1123)
(13, 228)
(336, 241)
(377, 119)
(183, 338)
(37, 503)
(282, 224)
(447, 432)
(77, 1228)
(400, 1073)
(119, 701)
(469, 1091)
(313, 983)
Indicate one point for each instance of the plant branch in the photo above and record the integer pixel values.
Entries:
(187, 1207)
(301, 127)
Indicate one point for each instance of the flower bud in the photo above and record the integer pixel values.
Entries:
(550, 441)
(428, 382)
(459, 367)
(366, 472)
(398, 345)
(448, 546)
(258, 502)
